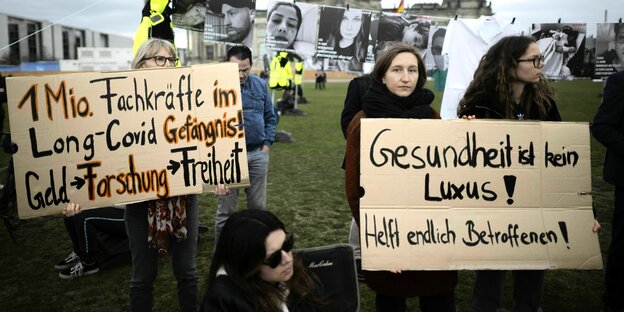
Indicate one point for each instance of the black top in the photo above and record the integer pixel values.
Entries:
(608, 128)
(485, 110)
(224, 295)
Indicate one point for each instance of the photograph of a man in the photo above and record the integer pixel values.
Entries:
(235, 20)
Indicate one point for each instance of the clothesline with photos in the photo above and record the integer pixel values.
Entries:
(346, 39)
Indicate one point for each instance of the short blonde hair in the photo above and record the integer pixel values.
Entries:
(149, 49)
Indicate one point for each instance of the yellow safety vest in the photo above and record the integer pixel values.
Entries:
(156, 9)
(298, 73)
(280, 76)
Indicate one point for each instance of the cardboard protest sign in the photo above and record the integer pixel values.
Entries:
(101, 139)
(453, 194)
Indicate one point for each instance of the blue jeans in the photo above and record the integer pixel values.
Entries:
(258, 163)
(528, 286)
(145, 259)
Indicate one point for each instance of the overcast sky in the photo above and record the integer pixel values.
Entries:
(123, 16)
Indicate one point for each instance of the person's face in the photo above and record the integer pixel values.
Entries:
(195, 15)
(412, 36)
(237, 22)
(350, 24)
(244, 66)
(436, 50)
(282, 25)
(619, 45)
(526, 72)
(152, 62)
(402, 75)
(284, 271)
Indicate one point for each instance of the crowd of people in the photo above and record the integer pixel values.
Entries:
(253, 267)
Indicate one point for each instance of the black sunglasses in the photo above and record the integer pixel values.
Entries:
(276, 258)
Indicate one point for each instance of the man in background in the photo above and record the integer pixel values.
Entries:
(608, 129)
(259, 122)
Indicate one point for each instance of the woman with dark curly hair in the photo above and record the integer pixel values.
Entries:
(509, 84)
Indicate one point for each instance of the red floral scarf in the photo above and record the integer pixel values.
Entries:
(166, 218)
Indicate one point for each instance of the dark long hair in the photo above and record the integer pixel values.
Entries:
(494, 79)
(241, 251)
(294, 6)
(385, 59)
(360, 43)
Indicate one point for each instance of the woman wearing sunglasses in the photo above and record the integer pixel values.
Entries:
(253, 268)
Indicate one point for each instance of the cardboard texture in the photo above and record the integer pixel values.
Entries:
(480, 194)
(101, 139)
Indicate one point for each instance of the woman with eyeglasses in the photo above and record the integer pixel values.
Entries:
(254, 269)
(508, 84)
(158, 227)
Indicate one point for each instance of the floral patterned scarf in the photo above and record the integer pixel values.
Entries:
(166, 218)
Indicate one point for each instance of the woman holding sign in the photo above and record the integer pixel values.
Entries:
(509, 84)
(397, 91)
(158, 227)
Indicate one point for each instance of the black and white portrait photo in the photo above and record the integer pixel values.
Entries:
(343, 34)
(292, 27)
(411, 29)
(563, 48)
(189, 14)
(230, 21)
(609, 49)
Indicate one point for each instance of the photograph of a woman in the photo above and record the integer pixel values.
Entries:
(291, 27)
(283, 22)
(609, 49)
(343, 33)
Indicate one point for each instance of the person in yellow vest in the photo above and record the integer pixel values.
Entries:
(280, 72)
(299, 79)
(155, 23)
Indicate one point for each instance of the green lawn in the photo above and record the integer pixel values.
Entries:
(306, 192)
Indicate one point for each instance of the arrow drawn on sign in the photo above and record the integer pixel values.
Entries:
(174, 166)
(78, 182)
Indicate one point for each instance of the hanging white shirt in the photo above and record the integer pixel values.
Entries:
(466, 41)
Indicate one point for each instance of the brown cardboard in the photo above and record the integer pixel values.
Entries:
(125, 119)
(421, 215)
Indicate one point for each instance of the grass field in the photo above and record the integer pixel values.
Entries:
(306, 192)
